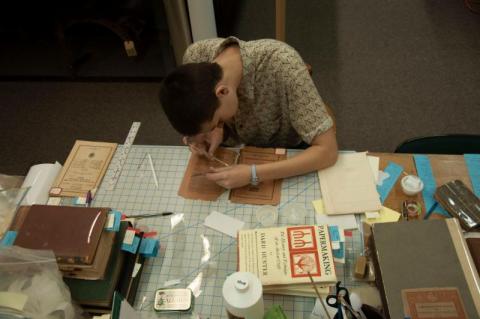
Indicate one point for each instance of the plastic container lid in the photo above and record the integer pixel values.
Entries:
(267, 215)
(295, 214)
(411, 185)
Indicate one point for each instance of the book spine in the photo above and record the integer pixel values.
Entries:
(73, 260)
(466, 261)
(378, 275)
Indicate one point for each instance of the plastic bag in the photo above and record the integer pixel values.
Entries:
(34, 284)
(10, 199)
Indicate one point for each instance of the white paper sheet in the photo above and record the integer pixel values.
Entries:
(224, 224)
(343, 221)
(374, 163)
(40, 179)
(348, 186)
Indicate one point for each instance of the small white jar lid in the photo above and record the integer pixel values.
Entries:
(411, 185)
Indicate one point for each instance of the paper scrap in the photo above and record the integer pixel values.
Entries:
(386, 215)
(116, 222)
(382, 176)
(133, 247)
(374, 163)
(110, 220)
(129, 236)
(318, 311)
(136, 269)
(372, 215)
(12, 300)
(343, 221)
(334, 236)
(224, 223)
(54, 201)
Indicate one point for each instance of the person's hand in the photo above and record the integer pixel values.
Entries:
(230, 177)
(205, 143)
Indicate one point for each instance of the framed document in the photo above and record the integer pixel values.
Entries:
(84, 169)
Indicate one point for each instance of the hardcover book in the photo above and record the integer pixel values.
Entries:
(73, 233)
(423, 269)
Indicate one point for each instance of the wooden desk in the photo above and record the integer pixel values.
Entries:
(444, 167)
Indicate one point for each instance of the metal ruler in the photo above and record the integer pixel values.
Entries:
(120, 161)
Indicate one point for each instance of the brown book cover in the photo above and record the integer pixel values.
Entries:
(96, 270)
(73, 233)
(419, 259)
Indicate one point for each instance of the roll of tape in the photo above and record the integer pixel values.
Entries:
(243, 296)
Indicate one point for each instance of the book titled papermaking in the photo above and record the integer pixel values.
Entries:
(286, 255)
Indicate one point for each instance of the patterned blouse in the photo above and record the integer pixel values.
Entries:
(278, 103)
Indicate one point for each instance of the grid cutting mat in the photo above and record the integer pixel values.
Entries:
(191, 253)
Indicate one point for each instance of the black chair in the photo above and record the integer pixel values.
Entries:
(444, 144)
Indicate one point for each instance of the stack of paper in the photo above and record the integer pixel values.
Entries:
(348, 186)
(284, 257)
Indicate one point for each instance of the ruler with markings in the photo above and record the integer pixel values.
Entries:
(120, 161)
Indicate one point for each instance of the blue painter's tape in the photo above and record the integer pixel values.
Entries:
(9, 238)
(132, 248)
(424, 171)
(339, 253)
(473, 164)
(149, 247)
(394, 170)
(334, 233)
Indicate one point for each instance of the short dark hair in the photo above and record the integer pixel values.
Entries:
(188, 98)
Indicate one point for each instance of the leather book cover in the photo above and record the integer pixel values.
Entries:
(73, 233)
(96, 270)
(421, 259)
(99, 293)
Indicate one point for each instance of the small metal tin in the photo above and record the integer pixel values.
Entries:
(173, 300)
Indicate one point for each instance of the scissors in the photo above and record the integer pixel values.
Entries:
(339, 301)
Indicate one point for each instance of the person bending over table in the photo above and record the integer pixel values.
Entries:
(257, 93)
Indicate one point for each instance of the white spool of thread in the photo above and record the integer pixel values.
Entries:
(243, 296)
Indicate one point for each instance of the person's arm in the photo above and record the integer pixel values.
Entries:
(321, 154)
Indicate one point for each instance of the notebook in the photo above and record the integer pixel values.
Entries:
(73, 233)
